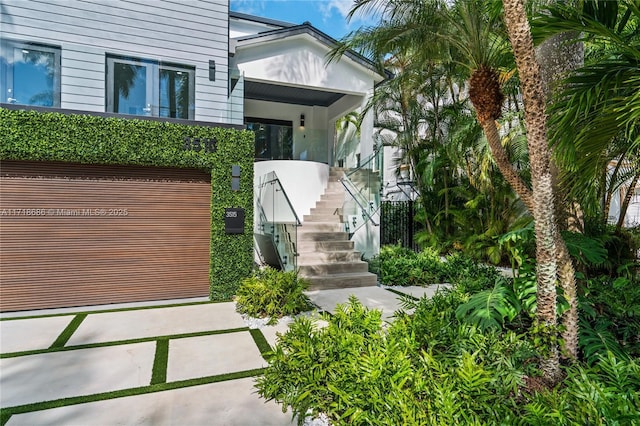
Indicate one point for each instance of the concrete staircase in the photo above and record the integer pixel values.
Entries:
(326, 257)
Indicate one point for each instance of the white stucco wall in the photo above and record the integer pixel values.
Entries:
(301, 61)
(632, 218)
(303, 181)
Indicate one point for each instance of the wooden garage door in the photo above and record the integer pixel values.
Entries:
(73, 235)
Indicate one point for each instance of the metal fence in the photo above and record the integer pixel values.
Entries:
(398, 225)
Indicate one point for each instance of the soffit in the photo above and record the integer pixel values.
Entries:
(261, 91)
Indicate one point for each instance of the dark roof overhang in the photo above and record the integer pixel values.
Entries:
(261, 91)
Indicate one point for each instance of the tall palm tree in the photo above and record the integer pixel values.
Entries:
(539, 155)
(595, 114)
(595, 118)
(478, 35)
(471, 33)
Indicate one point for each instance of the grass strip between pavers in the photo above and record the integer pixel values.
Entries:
(64, 337)
(132, 308)
(160, 361)
(6, 413)
(399, 293)
(261, 342)
(121, 342)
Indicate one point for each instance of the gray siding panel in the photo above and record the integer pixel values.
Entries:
(189, 33)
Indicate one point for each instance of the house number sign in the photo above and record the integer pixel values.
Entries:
(200, 144)
(234, 221)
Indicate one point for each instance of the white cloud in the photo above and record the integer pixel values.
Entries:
(342, 6)
(250, 7)
(329, 7)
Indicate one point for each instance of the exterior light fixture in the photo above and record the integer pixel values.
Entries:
(212, 70)
(301, 120)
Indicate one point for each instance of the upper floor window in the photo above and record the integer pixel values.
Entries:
(143, 87)
(29, 73)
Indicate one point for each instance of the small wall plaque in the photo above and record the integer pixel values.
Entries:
(234, 221)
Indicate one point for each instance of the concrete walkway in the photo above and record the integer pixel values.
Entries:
(174, 365)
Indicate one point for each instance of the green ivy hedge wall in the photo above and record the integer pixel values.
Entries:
(86, 139)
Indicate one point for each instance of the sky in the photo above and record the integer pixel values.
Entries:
(329, 16)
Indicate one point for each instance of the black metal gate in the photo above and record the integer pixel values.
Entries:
(398, 224)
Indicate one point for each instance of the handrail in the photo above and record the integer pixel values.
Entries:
(363, 200)
(369, 159)
(365, 210)
(286, 197)
(277, 221)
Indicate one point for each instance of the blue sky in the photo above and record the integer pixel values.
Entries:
(329, 16)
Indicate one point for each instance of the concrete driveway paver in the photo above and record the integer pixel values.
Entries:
(31, 334)
(230, 403)
(372, 297)
(270, 332)
(56, 375)
(202, 356)
(125, 325)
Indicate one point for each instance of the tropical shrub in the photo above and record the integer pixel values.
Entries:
(607, 393)
(272, 293)
(426, 369)
(357, 372)
(610, 318)
(350, 369)
(396, 265)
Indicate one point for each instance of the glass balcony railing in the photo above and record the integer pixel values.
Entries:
(275, 224)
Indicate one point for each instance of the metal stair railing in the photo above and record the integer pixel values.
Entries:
(276, 224)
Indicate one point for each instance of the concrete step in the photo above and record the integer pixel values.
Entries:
(323, 246)
(328, 204)
(322, 269)
(358, 279)
(331, 210)
(338, 196)
(321, 227)
(326, 218)
(315, 257)
(321, 236)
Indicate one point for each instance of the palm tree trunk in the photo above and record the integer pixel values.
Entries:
(557, 56)
(543, 199)
(567, 278)
(504, 165)
(627, 199)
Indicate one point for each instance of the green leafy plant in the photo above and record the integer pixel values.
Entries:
(272, 293)
(607, 393)
(396, 265)
(610, 318)
(490, 308)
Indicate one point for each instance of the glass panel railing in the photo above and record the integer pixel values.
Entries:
(275, 225)
(362, 187)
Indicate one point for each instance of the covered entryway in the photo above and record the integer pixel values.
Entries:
(74, 235)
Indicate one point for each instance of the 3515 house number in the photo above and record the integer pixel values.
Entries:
(234, 220)
(200, 144)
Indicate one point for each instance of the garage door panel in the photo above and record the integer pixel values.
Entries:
(80, 247)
